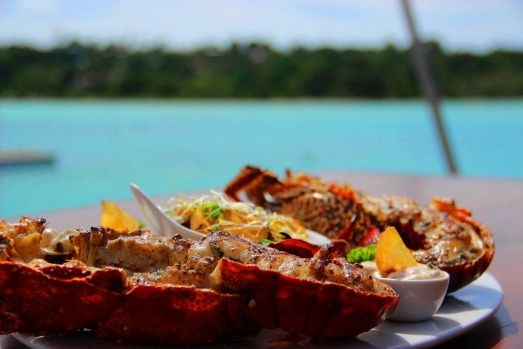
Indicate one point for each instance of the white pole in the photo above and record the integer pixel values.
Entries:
(428, 86)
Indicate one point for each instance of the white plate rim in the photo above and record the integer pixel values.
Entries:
(460, 312)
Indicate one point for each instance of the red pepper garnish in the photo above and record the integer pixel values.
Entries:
(371, 237)
(305, 249)
(297, 247)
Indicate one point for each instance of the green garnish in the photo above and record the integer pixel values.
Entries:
(212, 210)
(266, 242)
(362, 254)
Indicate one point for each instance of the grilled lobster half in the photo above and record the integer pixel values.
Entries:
(135, 286)
(441, 233)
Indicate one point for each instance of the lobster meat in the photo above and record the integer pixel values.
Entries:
(134, 286)
(441, 233)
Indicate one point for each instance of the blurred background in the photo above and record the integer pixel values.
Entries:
(180, 95)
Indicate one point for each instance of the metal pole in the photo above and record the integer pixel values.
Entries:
(428, 86)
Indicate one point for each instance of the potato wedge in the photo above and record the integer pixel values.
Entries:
(392, 254)
(114, 217)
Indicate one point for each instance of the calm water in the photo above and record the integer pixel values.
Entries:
(165, 147)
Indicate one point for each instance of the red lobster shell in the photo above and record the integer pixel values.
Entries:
(442, 233)
(44, 298)
(318, 297)
(119, 285)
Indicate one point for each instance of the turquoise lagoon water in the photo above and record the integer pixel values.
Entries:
(172, 146)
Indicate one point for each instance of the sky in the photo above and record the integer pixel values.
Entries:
(459, 25)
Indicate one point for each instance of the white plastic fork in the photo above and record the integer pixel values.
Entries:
(160, 222)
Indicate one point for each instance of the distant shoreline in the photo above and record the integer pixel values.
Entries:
(253, 70)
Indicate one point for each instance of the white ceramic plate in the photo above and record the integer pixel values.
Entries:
(460, 312)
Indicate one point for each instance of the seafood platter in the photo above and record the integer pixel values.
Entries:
(255, 277)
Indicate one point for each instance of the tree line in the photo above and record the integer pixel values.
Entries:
(251, 70)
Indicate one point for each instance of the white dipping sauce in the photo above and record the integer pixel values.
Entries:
(419, 272)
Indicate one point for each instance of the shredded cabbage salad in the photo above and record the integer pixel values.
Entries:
(215, 212)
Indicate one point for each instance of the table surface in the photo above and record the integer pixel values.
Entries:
(494, 202)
